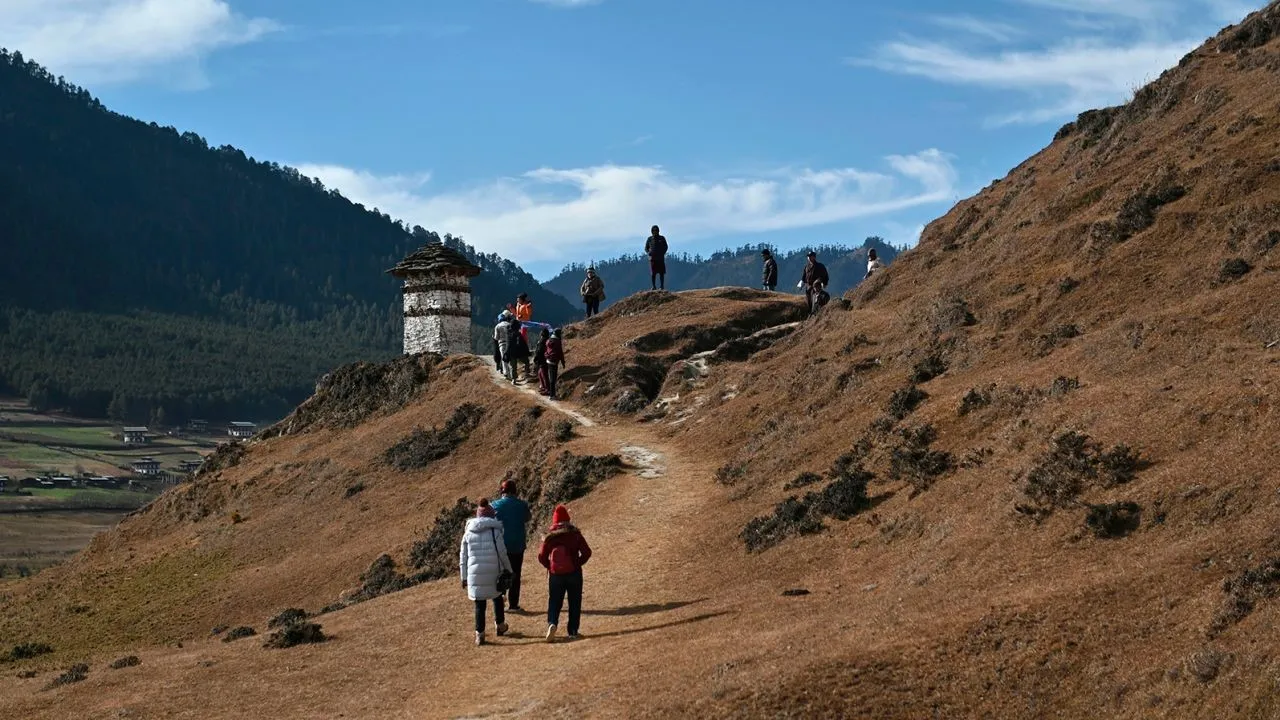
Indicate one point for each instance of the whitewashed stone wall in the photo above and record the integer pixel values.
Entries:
(447, 334)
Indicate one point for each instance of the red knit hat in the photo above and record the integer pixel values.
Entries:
(560, 516)
(483, 509)
(508, 487)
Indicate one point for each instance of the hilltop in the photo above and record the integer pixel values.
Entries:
(1027, 471)
(629, 274)
(147, 268)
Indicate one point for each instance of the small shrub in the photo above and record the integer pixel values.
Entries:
(1139, 211)
(1233, 270)
(26, 651)
(843, 497)
(1067, 284)
(287, 617)
(1206, 665)
(928, 368)
(804, 479)
(27, 674)
(571, 477)
(1113, 520)
(1072, 462)
(790, 517)
(423, 447)
(976, 458)
(236, 518)
(74, 674)
(1118, 465)
(124, 662)
(858, 341)
(882, 424)
(731, 473)
(295, 634)
(1056, 336)
(563, 431)
(1268, 241)
(527, 422)
(243, 631)
(1244, 592)
(353, 490)
(436, 556)
(912, 460)
(1063, 385)
(382, 578)
(976, 399)
(904, 401)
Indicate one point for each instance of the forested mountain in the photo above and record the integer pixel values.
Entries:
(145, 270)
(630, 273)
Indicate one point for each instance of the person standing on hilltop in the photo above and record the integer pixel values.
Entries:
(769, 278)
(524, 313)
(514, 515)
(502, 344)
(656, 248)
(482, 559)
(555, 361)
(563, 553)
(813, 281)
(592, 292)
(873, 263)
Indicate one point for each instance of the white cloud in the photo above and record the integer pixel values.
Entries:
(552, 214)
(123, 40)
(990, 29)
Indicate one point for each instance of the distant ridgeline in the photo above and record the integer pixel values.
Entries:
(630, 273)
(149, 274)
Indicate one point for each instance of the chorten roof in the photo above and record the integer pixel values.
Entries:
(435, 257)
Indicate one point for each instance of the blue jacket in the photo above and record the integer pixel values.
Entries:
(514, 514)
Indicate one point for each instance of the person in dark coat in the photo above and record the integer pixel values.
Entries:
(518, 348)
(769, 278)
(656, 248)
(563, 553)
(540, 360)
(813, 281)
(555, 361)
(514, 515)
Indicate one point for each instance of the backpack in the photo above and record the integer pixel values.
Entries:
(562, 560)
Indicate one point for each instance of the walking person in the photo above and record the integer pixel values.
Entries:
(540, 360)
(769, 277)
(482, 561)
(656, 248)
(873, 263)
(592, 292)
(813, 281)
(555, 361)
(514, 515)
(502, 344)
(519, 349)
(563, 553)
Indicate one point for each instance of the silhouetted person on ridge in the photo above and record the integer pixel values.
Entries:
(482, 558)
(813, 281)
(514, 515)
(656, 248)
(769, 278)
(563, 553)
(873, 263)
(592, 292)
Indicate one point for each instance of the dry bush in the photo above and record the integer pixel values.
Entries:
(1113, 520)
(571, 477)
(74, 674)
(904, 401)
(842, 498)
(423, 447)
(1138, 212)
(976, 399)
(287, 617)
(804, 479)
(1072, 463)
(1233, 269)
(124, 662)
(28, 650)
(1055, 337)
(527, 422)
(790, 517)
(1244, 592)
(349, 395)
(436, 555)
(563, 431)
(928, 368)
(295, 634)
(913, 461)
(243, 631)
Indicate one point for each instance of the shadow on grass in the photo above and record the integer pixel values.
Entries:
(644, 609)
(522, 639)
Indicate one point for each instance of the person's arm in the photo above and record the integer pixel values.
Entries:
(501, 544)
(544, 557)
(462, 560)
(584, 550)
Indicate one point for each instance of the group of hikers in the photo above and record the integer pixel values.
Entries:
(491, 558)
(511, 348)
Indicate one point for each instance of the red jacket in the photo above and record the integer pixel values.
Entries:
(564, 551)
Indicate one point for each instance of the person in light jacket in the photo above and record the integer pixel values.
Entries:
(873, 263)
(592, 292)
(502, 344)
(481, 559)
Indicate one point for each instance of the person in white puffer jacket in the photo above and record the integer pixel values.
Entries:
(481, 559)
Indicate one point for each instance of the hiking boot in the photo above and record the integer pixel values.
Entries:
(551, 633)
(515, 609)
(479, 638)
(575, 636)
(501, 628)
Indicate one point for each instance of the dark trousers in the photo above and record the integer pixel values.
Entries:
(593, 306)
(542, 378)
(770, 288)
(658, 281)
(553, 374)
(513, 594)
(498, 613)
(559, 586)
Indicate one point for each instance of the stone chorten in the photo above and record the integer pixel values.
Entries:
(437, 300)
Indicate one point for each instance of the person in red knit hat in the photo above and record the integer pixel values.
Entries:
(563, 553)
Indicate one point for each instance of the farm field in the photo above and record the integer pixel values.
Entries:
(30, 542)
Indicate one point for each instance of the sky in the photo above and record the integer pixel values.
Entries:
(558, 131)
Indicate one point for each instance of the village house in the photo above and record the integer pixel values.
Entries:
(146, 466)
(198, 426)
(135, 435)
(190, 466)
(241, 430)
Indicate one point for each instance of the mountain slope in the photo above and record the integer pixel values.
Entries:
(1027, 471)
(629, 274)
(103, 215)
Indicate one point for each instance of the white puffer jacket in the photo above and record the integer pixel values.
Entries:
(483, 557)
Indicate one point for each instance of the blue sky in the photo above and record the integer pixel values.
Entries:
(553, 131)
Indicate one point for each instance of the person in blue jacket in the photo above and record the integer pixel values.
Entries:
(515, 515)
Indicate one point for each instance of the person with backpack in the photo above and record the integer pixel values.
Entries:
(563, 553)
(519, 350)
(592, 292)
(769, 278)
(502, 344)
(555, 361)
(656, 248)
(484, 566)
(514, 515)
(814, 280)
(540, 360)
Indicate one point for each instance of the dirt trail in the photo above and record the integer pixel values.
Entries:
(410, 654)
(532, 391)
